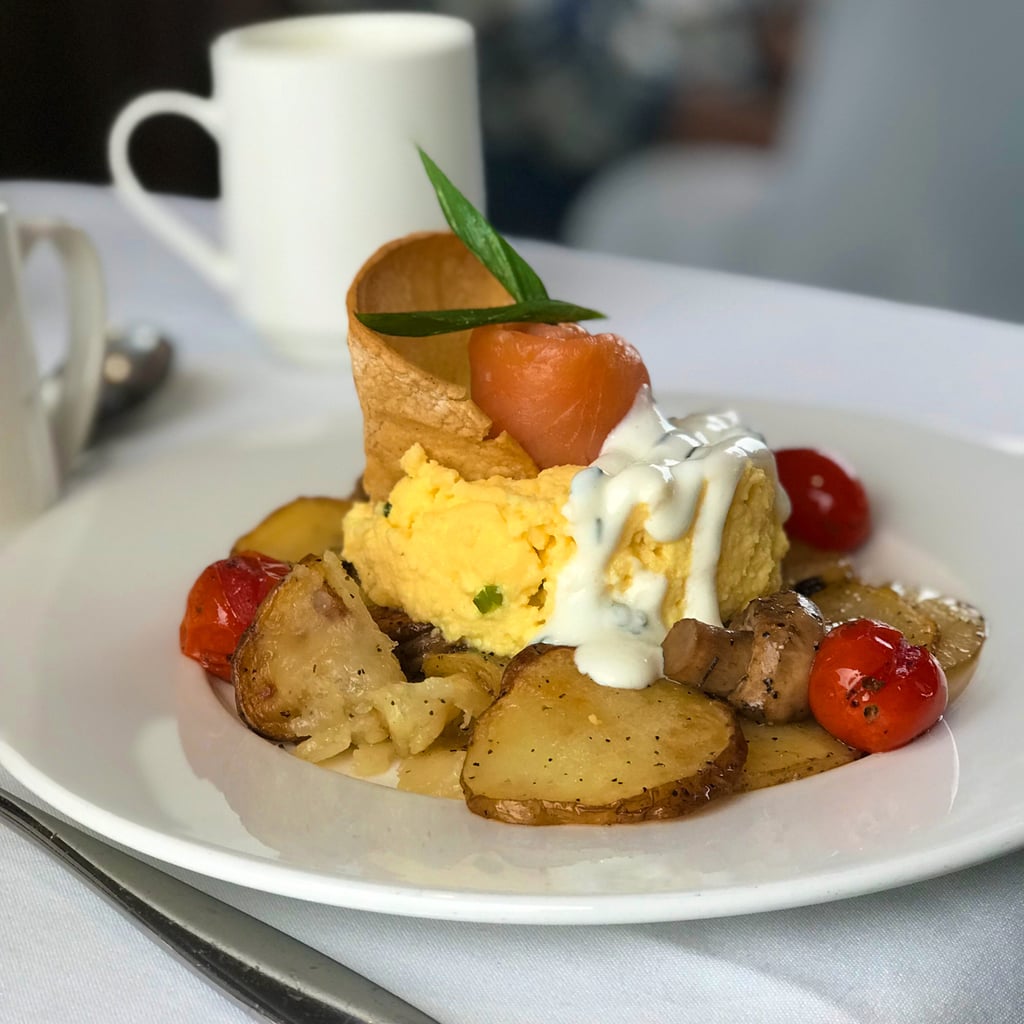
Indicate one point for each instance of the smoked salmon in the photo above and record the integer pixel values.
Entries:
(556, 388)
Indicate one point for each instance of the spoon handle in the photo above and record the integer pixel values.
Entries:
(267, 970)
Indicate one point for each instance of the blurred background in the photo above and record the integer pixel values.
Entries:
(856, 144)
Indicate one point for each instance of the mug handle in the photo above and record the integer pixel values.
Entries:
(76, 394)
(174, 232)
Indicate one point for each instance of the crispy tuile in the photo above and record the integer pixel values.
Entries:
(417, 389)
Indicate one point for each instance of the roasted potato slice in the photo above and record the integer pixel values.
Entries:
(851, 599)
(306, 668)
(417, 713)
(807, 570)
(961, 636)
(784, 753)
(484, 668)
(305, 526)
(435, 772)
(372, 759)
(952, 630)
(557, 748)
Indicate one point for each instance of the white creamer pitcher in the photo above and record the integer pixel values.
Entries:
(40, 437)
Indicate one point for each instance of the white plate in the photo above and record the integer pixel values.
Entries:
(103, 719)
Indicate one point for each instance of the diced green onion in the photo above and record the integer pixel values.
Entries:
(489, 599)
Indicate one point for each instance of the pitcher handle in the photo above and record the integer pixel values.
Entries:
(212, 262)
(77, 395)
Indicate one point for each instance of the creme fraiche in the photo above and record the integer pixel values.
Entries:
(685, 473)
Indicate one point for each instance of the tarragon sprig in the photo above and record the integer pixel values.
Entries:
(532, 303)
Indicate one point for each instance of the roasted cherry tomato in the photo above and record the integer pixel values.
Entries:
(873, 690)
(830, 505)
(221, 605)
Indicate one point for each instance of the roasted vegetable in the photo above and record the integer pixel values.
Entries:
(221, 606)
(808, 570)
(760, 665)
(416, 714)
(953, 630)
(305, 526)
(487, 669)
(414, 641)
(961, 635)
(830, 507)
(306, 667)
(872, 689)
(557, 748)
(314, 668)
(849, 600)
(784, 753)
(435, 772)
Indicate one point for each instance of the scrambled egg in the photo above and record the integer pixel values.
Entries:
(481, 559)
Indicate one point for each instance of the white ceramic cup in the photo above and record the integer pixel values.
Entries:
(40, 434)
(318, 119)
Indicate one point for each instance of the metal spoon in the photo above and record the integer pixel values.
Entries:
(286, 980)
(138, 360)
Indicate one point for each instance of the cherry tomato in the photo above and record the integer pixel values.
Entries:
(873, 690)
(222, 604)
(830, 505)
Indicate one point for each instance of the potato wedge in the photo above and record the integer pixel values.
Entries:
(558, 748)
(784, 753)
(306, 668)
(304, 526)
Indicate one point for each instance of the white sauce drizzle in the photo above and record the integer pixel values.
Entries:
(667, 465)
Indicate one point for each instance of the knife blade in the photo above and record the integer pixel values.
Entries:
(265, 969)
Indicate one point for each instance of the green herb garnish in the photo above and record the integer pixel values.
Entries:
(518, 277)
(441, 321)
(532, 303)
(489, 599)
(386, 510)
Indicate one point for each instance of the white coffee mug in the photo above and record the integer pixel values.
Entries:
(318, 119)
(40, 435)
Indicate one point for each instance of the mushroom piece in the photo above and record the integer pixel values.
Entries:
(760, 665)
(414, 641)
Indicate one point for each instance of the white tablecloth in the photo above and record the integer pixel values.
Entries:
(948, 949)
